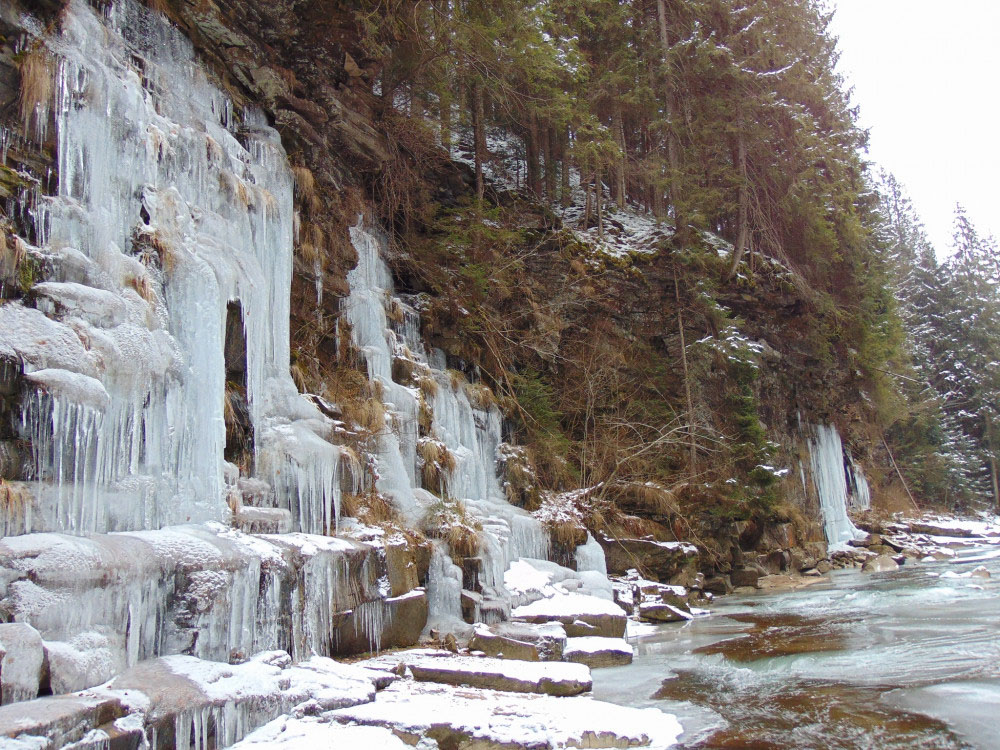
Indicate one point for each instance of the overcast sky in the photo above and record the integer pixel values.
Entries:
(926, 75)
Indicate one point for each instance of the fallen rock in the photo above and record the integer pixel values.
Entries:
(60, 720)
(508, 675)
(880, 564)
(824, 566)
(598, 652)
(980, 572)
(662, 612)
(545, 642)
(579, 614)
(745, 577)
(21, 660)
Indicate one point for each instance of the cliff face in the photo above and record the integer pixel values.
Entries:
(218, 309)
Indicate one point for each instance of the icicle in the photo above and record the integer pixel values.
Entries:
(827, 462)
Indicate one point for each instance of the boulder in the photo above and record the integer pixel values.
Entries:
(58, 721)
(598, 652)
(21, 661)
(517, 640)
(719, 585)
(661, 560)
(824, 567)
(662, 612)
(745, 576)
(579, 614)
(980, 572)
(880, 564)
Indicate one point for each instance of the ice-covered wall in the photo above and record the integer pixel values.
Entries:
(832, 481)
(472, 435)
(170, 205)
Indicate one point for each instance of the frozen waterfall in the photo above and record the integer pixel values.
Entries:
(830, 477)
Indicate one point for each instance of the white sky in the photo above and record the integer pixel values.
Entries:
(926, 75)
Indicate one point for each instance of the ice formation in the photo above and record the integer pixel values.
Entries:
(470, 433)
(170, 208)
(832, 481)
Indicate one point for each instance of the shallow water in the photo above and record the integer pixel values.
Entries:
(908, 659)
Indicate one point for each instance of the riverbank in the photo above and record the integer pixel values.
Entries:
(905, 658)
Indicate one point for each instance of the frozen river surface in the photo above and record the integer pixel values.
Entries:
(908, 659)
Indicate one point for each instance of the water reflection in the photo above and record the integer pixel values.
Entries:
(908, 659)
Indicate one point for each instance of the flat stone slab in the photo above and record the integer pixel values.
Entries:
(176, 699)
(318, 732)
(510, 675)
(491, 720)
(580, 614)
(520, 640)
(56, 722)
(597, 652)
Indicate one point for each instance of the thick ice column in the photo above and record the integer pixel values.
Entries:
(826, 453)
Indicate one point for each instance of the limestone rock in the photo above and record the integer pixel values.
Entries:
(550, 678)
(580, 614)
(663, 560)
(662, 612)
(880, 564)
(599, 652)
(401, 566)
(60, 720)
(21, 661)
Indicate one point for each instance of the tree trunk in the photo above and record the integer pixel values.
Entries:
(599, 188)
(993, 470)
(693, 447)
(531, 149)
(668, 108)
(444, 117)
(741, 231)
(478, 136)
(618, 125)
(549, 147)
(565, 191)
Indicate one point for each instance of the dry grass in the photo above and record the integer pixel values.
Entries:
(646, 497)
(300, 376)
(371, 509)
(425, 416)
(428, 385)
(368, 415)
(449, 521)
(35, 98)
(15, 499)
(143, 287)
(439, 464)
(12, 254)
(312, 242)
(480, 396)
(457, 378)
(567, 534)
(395, 313)
(305, 190)
(268, 201)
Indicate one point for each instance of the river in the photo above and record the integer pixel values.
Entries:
(907, 659)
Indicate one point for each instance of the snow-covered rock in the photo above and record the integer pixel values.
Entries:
(579, 614)
(486, 718)
(21, 659)
(596, 652)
